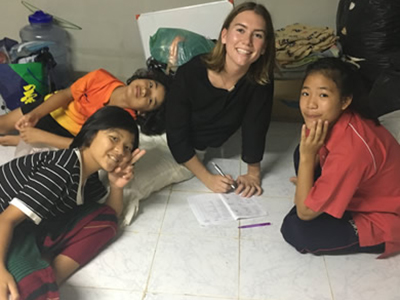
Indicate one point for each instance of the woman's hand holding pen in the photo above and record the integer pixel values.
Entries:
(225, 182)
(219, 183)
(246, 185)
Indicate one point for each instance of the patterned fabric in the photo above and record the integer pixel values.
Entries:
(297, 41)
(81, 239)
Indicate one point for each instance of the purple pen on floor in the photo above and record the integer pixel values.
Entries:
(255, 225)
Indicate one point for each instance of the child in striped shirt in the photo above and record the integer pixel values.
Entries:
(48, 204)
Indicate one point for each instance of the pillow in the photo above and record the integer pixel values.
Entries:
(154, 171)
(24, 149)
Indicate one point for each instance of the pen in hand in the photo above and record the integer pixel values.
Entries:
(220, 172)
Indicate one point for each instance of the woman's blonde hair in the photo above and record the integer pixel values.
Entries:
(261, 71)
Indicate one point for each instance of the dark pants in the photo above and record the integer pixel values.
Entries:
(324, 234)
(47, 123)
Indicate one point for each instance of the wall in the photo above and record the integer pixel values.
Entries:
(110, 37)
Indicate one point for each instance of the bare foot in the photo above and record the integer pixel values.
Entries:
(9, 140)
(293, 180)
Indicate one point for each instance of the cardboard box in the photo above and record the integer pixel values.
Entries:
(286, 100)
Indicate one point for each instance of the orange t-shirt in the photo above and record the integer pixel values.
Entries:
(90, 92)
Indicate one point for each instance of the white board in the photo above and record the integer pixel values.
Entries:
(205, 19)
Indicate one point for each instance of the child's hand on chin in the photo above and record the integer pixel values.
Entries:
(311, 143)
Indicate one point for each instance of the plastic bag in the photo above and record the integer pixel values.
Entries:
(385, 93)
(370, 30)
(4, 58)
(5, 45)
(27, 82)
(177, 46)
(22, 83)
(369, 33)
(367, 28)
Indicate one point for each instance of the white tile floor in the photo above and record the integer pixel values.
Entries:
(166, 255)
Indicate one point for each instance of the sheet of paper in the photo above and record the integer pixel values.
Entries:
(242, 208)
(209, 209)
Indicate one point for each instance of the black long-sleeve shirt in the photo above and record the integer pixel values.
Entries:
(200, 115)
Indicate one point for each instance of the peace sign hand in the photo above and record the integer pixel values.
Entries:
(120, 176)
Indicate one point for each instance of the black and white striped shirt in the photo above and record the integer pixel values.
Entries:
(46, 185)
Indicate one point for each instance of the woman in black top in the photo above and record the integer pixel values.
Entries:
(215, 94)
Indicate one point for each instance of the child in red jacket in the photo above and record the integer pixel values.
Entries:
(354, 204)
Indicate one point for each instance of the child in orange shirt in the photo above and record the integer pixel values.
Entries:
(57, 120)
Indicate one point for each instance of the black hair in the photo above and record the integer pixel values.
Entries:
(153, 74)
(153, 122)
(348, 81)
(107, 117)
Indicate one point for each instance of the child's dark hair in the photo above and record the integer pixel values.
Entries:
(152, 122)
(348, 82)
(105, 118)
(152, 74)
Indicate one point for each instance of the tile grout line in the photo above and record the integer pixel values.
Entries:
(145, 290)
(239, 264)
(329, 280)
(239, 241)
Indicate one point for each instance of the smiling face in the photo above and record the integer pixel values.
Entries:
(145, 94)
(111, 148)
(244, 40)
(320, 99)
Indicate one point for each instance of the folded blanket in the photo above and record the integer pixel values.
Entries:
(297, 41)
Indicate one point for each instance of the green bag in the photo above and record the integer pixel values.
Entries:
(23, 83)
(177, 46)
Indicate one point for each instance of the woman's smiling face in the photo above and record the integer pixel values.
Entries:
(245, 39)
